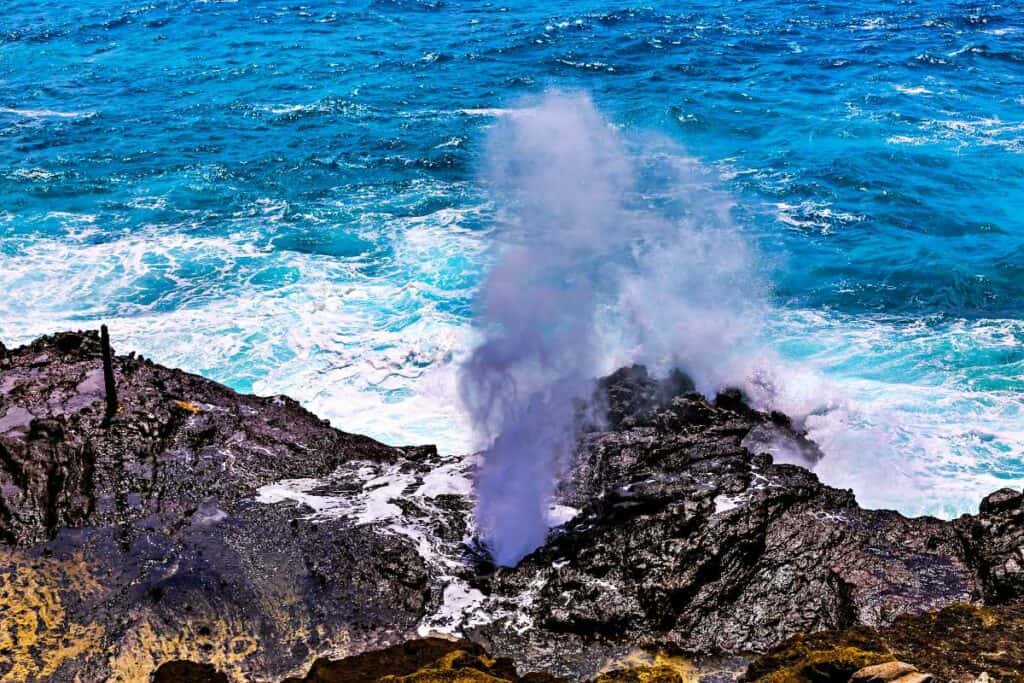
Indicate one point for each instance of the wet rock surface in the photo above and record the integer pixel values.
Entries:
(204, 527)
(687, 539)
(177, 440)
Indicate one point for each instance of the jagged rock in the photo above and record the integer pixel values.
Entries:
(658, 667)
(995, 540)
(1003, 500)
(417, 661)
(245, 534)
(131, 545)
(62, 468)
(687, 539)
(432, 660)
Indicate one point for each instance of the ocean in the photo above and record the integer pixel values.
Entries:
(292, 197)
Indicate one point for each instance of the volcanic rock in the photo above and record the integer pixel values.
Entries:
(995, 542)
(134, 544)
(686, 539)
(227, 535)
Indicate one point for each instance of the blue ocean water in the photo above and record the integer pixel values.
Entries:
(285, 196)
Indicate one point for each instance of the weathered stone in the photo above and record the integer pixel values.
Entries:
(416, 661)
(879, 673)
(685, 538)
(140, 543)
(1002, 500)
(202, 527)
(994, 539)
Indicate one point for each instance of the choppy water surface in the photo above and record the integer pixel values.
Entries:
(286, 197)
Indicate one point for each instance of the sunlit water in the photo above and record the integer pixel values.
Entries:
(286, 197)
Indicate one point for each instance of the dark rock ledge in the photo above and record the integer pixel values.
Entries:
(206, 535)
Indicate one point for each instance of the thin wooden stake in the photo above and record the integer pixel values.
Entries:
(108, 375)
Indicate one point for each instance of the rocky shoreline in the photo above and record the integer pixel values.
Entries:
(201, 534)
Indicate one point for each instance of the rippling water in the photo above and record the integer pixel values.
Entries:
(286, 197)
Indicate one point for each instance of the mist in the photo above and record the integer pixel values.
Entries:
(610, 249)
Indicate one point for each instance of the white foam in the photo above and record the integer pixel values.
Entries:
(898, 429)
(817, 216)
(724, 503)
(374, 354)
(915, 90)
(495, 112)
(297, 491)
(980, 131)
(46, 113)
(906, 140)
(872, 24)
(463, 607)
(450, 479)
(366, 493)
(559, 515)
(329, 105)
(377, 505)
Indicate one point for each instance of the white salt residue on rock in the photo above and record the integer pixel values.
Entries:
(517, 614)
(836, 517)
(759, 481)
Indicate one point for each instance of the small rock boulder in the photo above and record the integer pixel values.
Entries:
(1002, 500)
(882, 673)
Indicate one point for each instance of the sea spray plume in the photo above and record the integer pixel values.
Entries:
(606, 257)
(562, 172)
(690, 297)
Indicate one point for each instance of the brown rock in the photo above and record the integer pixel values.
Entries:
(883, 672)
(915, 678)
(959, 643)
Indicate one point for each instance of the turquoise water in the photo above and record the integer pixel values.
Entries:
(286, 197)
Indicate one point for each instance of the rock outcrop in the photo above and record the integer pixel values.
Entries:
(688, 539)
(130, 545)
(961, 643)
(995, 543)
(241, 538)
